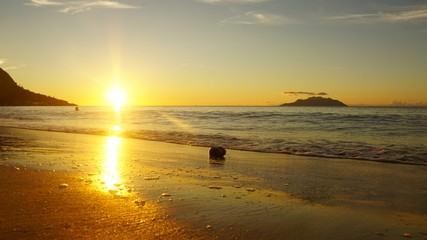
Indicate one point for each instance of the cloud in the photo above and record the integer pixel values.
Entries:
(232, 1)
(77, 6)
(44, 3)
(306, 93)
(15, 67)
(258, 18)
(3, 61)
(398, 15)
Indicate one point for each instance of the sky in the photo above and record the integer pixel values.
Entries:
(218, 52)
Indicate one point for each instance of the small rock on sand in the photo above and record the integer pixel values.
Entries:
(217, 153)
(214, 187)
(63, 185)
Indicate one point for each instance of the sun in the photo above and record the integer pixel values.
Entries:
(116, 97)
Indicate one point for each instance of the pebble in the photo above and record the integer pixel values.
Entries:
(250, 189)
(152, 178)
(113, 191)
(209, 226)
(139, 203)
(63, 185)
(165, 194)
(214, 187)
(407, 235)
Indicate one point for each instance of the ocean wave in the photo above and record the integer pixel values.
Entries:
(312, 148)
(380, 134)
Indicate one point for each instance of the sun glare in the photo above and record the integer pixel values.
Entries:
(117, 98)
(116, 128)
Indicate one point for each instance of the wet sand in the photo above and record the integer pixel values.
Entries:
(33, 205)
(133, 189)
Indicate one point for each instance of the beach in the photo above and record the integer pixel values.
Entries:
(35, 207)
(76, 186)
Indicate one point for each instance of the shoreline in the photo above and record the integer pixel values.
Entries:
(253, 195)
(110, 133)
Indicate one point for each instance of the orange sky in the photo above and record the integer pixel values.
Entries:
(201, 52)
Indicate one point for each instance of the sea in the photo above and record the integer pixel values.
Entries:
(387, 134)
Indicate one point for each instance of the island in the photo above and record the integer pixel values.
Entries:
(11, 94)
(316, 102)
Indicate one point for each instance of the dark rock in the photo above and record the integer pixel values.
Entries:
(217, 153)
(11, 94)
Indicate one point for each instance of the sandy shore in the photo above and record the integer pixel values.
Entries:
(133, 189)
(34, 205)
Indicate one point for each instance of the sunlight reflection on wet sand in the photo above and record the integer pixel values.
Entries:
(110, 177)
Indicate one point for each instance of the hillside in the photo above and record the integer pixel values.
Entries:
(13, 95)
(316, 102)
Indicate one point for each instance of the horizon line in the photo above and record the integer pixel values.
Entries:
(195, 105)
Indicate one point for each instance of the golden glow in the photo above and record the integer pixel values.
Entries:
(111, 174)
(117, 98)
(177, 122)
(116, 128)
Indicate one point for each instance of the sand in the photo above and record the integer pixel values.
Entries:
(35, 206)
(133, 189)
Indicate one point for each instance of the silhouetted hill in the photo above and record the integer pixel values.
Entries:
(316, 102)
(13, 95)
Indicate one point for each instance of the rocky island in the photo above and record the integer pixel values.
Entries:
(11, 94)
(316, 102)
